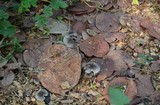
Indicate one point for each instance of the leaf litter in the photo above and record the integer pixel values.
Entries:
(110, 38)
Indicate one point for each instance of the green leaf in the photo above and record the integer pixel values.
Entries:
(8, 31)
(62, 4)
(41, 20)
(26, 4)
(3, 15)
(6, 28)
(57, 4)
(34, 3)
(17, 45)
(60, 18)
(117, 97)
(54, 4)
(48, 11)
(135, 2)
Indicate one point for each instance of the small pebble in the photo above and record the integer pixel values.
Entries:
(153, 54)
(151, 49)
(151, 43)
(157, 41)
(135, 54)
(146, 51)
(124, 30)
(27, 99)
(31, 69)
(33, 99)
(91, 32)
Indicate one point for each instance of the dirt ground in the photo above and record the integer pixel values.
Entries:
(96, 45)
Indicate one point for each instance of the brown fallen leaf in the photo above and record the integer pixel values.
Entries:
(111, 37)
(155, 66)
(7, 75)
(152, 28)
(108, 22)
(7, 78)
(94, 46)
(21, 36)
(107, 68)
(144, 85)
(79, 26)
(28, 22)
(79, 8)
(61, 64)
(124, 3)
(101, 2)
(155, 97)
(122, 60)
(31, 57)
(111, 4)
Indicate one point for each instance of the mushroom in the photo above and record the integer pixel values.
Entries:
(41, 94)
(71, 39)
(91, 69)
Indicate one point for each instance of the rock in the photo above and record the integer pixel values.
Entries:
(60, 64)
(94, 46)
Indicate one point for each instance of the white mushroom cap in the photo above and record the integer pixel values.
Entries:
(91, 67)
(69, 41)
(40, 94)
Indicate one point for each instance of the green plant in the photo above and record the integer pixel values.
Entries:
(42, 18)
(135, 2)
(117, 97)
(25, 5)
(6, 28)
(144, 59)
(14, 45)
(59, 38)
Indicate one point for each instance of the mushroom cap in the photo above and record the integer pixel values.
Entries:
(91, 68)
(70, 39)
(40, 94)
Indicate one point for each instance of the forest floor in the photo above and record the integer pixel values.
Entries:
(91, 49)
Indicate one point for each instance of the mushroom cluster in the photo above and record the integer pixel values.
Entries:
(91, 69)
